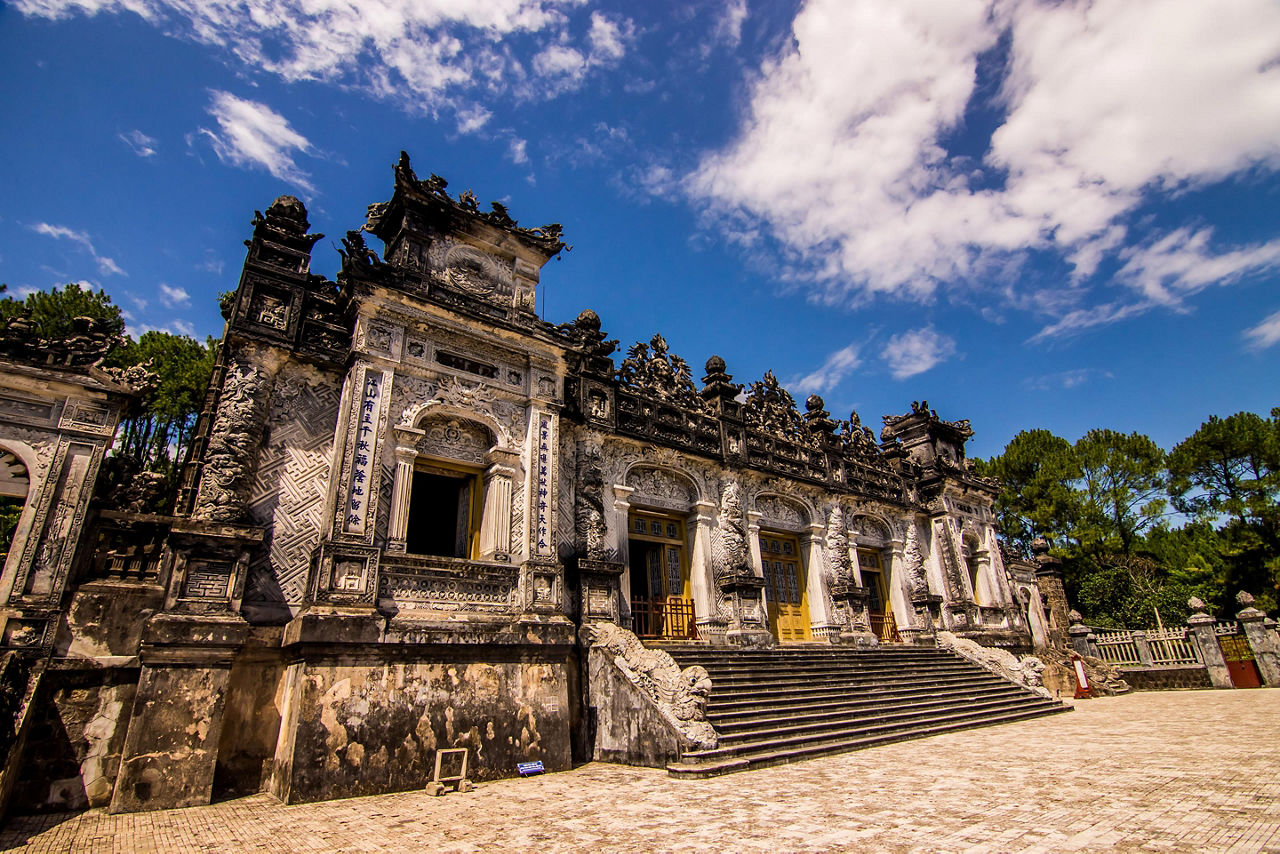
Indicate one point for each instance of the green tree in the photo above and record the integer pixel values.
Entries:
(156, 438)
(1123, 482)
(1036, 499)
(1230, 467)
(53, 312)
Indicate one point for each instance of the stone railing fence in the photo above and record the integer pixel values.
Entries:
(1149, 648)
(1205, 653)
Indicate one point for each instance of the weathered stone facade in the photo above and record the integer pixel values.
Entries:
(407, 492)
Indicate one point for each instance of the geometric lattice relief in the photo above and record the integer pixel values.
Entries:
(291, 486)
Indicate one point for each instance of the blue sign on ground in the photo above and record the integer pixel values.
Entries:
(527, 768)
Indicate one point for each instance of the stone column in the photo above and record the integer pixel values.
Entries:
(811, 541)
(1262, 640)
(617, 538)
(895, 586)
(753, 543)
(495, 519)
(701, 567)
(402, 489)
(1202, 628)
(495, 523)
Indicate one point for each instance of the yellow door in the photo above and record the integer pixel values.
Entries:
(660, 584)
(784, 587)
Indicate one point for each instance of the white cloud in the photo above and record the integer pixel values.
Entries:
(173, 327)
(517, 150)
(1265, 334)
(911, 353)
(729, 26)
(472, 118)
(426, 55)
(841, 153)
(1064, 379)
(106, 265)
(559, 60)
(252, 134)
(836, 367)
(211, 263)
(141, 144)
(173, 297)
(608, 38)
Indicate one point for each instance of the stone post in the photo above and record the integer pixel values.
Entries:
(1262, 640)
(1079, 634)
(1144, 648)
(702, 581)
(1201, 626)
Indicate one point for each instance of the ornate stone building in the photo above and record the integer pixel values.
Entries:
(407, 493)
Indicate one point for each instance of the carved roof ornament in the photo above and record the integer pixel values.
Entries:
(546, 237)
(771, 409)
(586, 336)
(652, 369)
(718, 385)
(818, 418)
(86, 347)
(858, 437)
(920, 409)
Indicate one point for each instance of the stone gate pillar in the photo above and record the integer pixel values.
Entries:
(1202, 626)
(1262, 640)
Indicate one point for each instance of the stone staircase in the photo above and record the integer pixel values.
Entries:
(797, 702)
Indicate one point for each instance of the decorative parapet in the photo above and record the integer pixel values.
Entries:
(652, 397)
(1025, 672)
(680, 696)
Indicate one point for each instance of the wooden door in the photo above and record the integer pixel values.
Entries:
(660, 584)
(784, 588)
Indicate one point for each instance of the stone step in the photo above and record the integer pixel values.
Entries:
(730, 720)
(693, 767)
(898, 714)
(854, 731)
(848, 687)
(785, 704)
(783, 676)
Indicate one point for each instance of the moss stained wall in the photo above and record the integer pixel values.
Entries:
(72, 754)
(365, 727)
(250, 724)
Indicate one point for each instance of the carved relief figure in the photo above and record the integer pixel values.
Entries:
(589, 510)
(233, 446)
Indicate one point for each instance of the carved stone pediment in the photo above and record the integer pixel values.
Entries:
(781, 513)
(660, 487)
(477, 273)
(455, 439)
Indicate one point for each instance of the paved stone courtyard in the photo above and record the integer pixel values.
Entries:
(1174, 771)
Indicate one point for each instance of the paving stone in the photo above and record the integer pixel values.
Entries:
(1171, 772)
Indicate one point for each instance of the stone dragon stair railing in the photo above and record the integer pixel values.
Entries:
(644, 709)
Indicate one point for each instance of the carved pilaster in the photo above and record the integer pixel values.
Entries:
(402, 488)
(495, 526)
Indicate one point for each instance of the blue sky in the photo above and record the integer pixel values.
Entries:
(1032, 214)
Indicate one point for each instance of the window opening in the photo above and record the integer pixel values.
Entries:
(444, 513)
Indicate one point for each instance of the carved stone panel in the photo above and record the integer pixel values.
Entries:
(780, 514)
(455, 439)
(660, 488)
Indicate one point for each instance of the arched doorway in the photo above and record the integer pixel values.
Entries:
(784, 588)
(15, 482)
